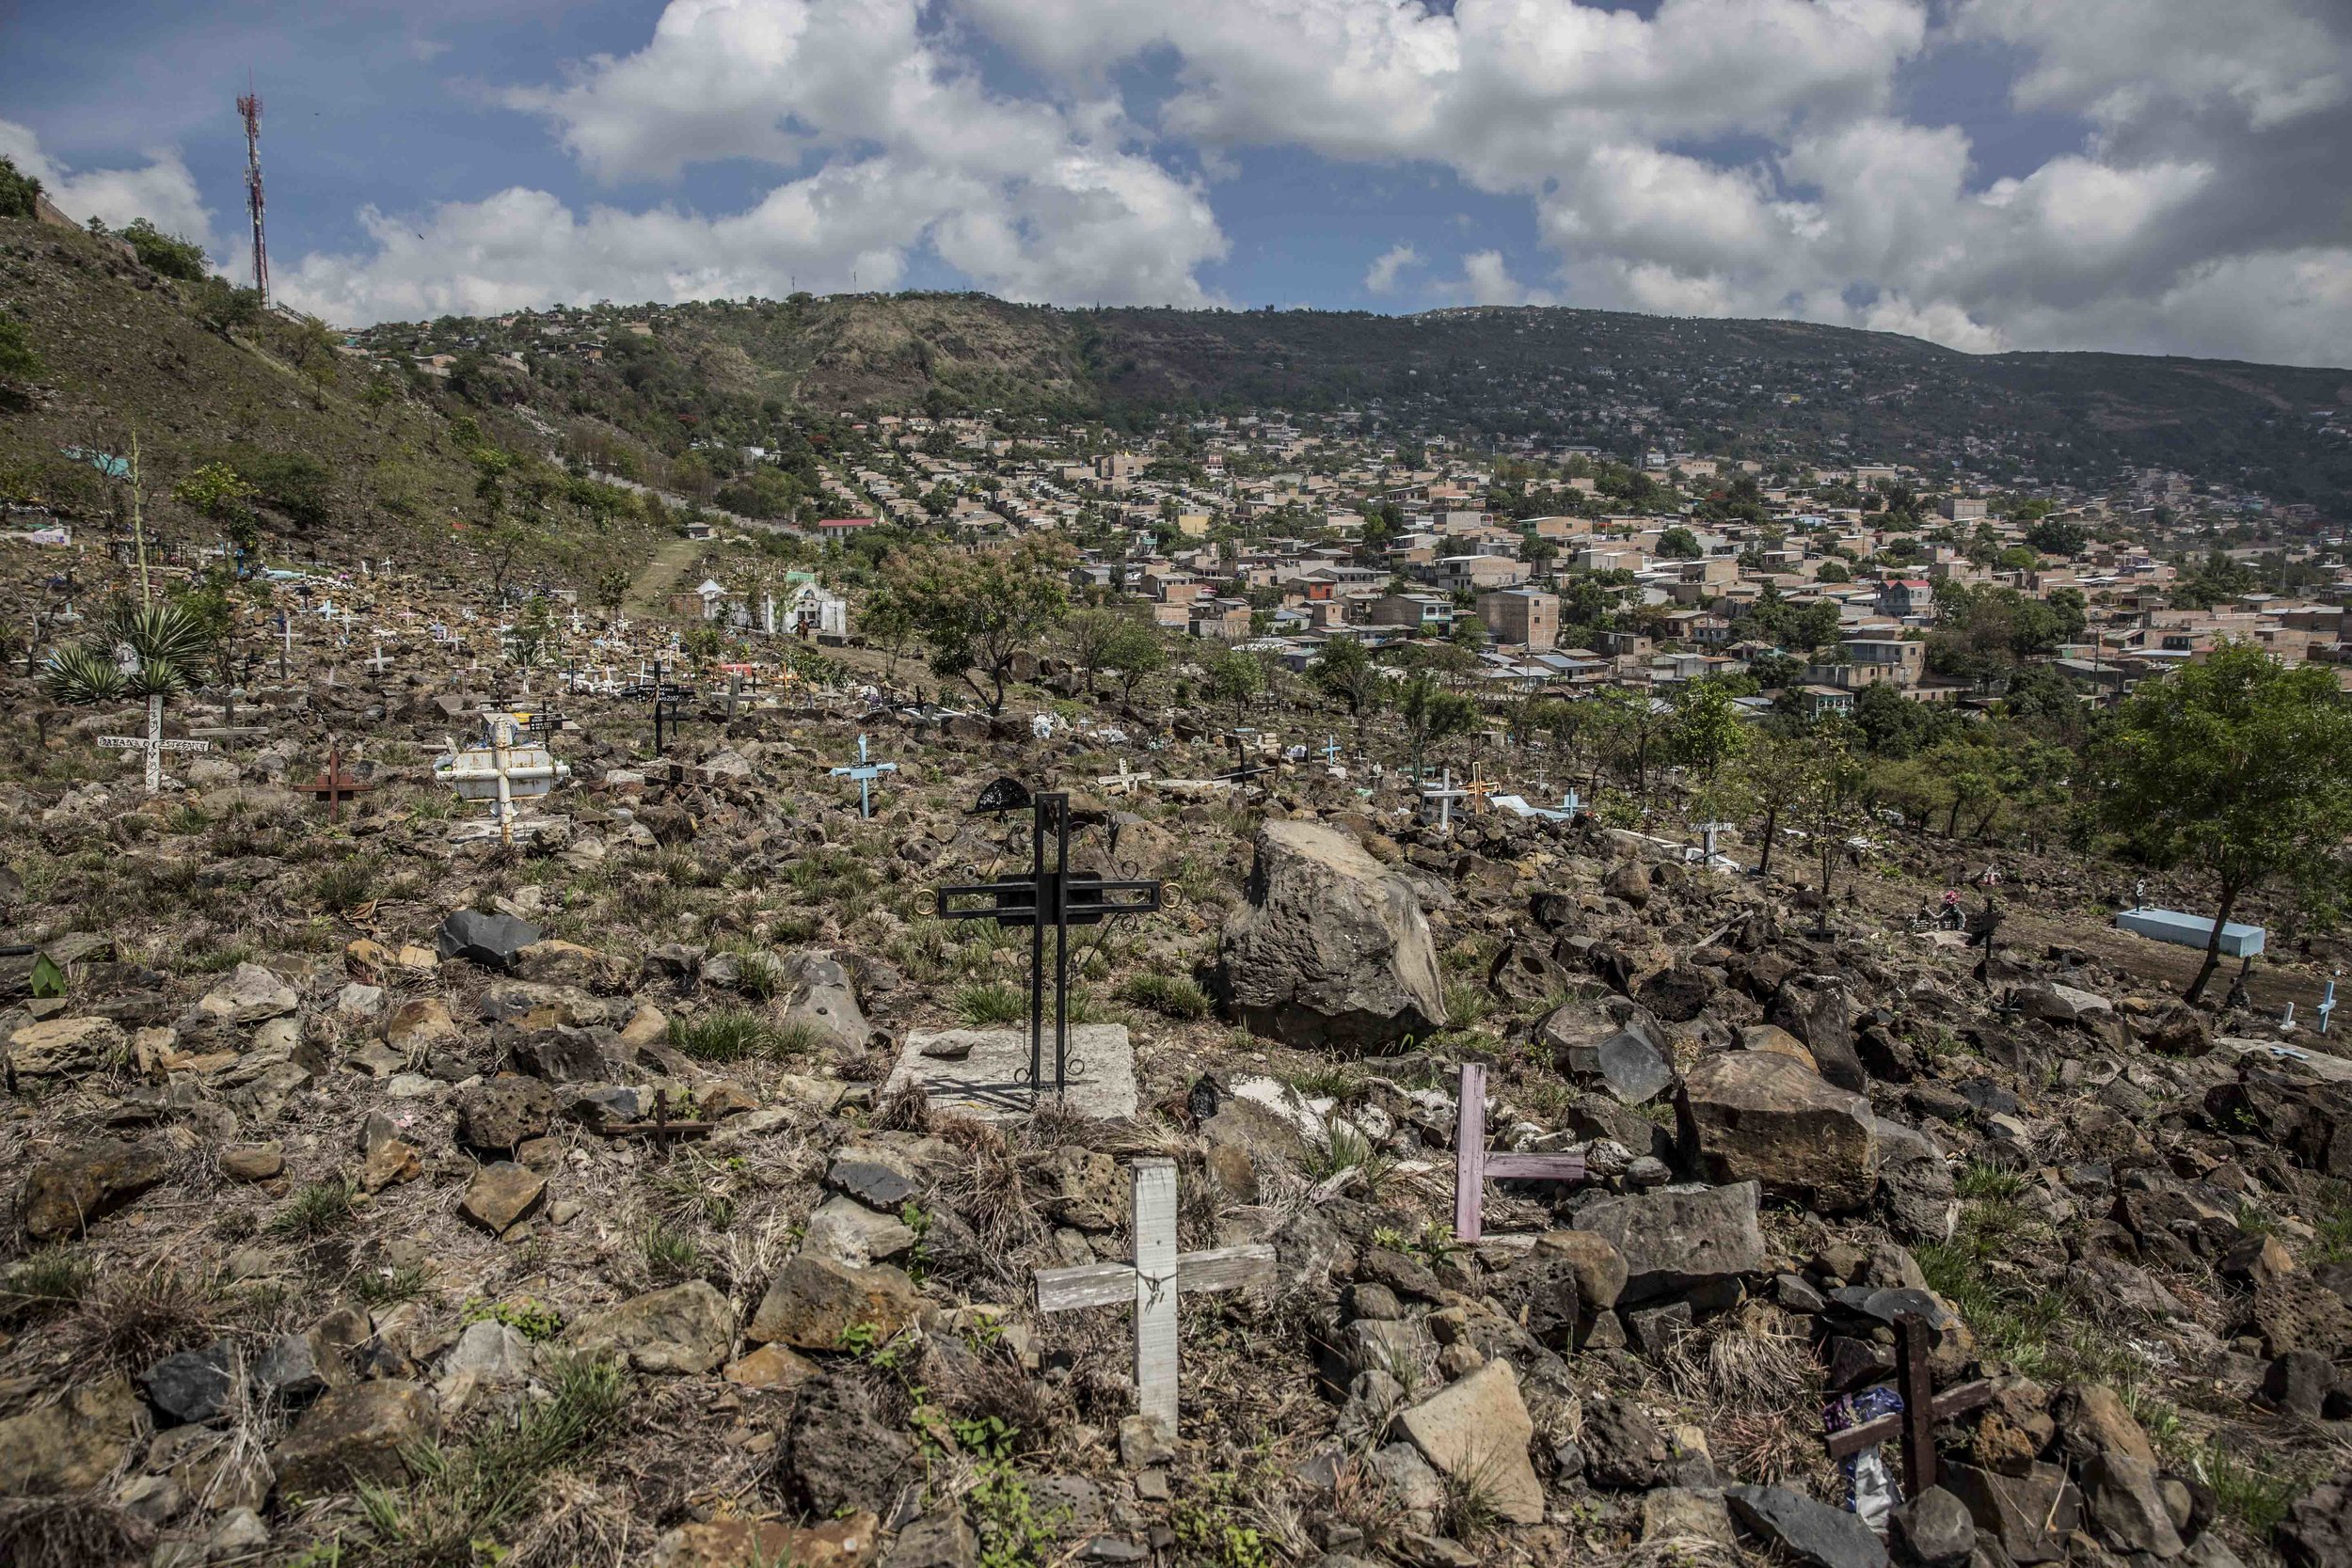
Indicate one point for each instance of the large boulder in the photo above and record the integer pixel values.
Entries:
(1332, 949)
(813, 1303)
(71, 1445)
(1612, 1044)
(1475, 1430)
(1817, 1011)
(1753, 1116)
(2306, 1118)
(1672, 1240)
(824, 1004)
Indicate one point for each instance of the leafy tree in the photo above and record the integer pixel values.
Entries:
(1344, 672)
(1775, 670)
(888, 622)
(978, 612)
(1085, 638)
(1834, 570)
(165, 253)
(19, 362)
(1706, 729)
(316, 356)
(1232, 676)
(1780, 771)
(2051, 536)
(20, 192)
(1136, 653)
(2234, 769)
(1431, 714)
(612, 590)
(1678, 544)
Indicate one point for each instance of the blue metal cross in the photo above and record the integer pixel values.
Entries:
(865, 773)
(1331, 748)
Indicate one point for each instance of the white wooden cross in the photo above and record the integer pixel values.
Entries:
(1445, 794)
(376, 661)
(1474, 1166)
(1152, 1282)
(153, 743)
(1122, 782)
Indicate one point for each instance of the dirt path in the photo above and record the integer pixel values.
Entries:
(653, 582)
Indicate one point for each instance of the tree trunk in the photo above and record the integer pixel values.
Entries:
(1771, 825)
(2196, 992)
(1951, 823)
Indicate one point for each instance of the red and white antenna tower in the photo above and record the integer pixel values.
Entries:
(251, 107)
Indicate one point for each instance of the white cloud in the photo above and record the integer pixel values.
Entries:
(162, 191)
(1380, 278)
(1486, 280)
(1031, 200)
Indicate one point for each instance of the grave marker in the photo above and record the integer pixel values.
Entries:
(1123, 783)
(1054, 895)
(1914, 1423)
(1154, 1282)
(865, 772)
(1474, 1165)
(153, 743)
(334, 785)
(1444, 794)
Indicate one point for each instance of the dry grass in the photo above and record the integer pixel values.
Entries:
(70, 1532)
(129, 1321)
(1757, 1392)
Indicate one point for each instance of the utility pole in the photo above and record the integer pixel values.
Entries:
(249, 106)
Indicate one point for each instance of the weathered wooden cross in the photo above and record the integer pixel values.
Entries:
(153, 743)
(375, 661)
(1914, 1423)
(1474, 1165)
(1122, 782)
(334, 786)
(1152, 1282)
(865, 772)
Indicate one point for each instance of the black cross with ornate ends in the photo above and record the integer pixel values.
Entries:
(544, 726)
(1051, 895)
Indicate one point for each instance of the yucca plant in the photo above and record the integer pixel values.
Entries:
(140, 650)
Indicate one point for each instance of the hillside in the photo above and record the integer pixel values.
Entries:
(340, 458)
(1618, 382)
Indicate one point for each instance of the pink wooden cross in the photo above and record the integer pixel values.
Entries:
(1473, 1166)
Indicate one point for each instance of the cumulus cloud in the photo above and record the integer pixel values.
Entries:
(1486, 280)
(1029, 199)
(1380, 278)
(161, 191)
(2206, 200)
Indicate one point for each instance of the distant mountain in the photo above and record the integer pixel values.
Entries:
(1619, 382)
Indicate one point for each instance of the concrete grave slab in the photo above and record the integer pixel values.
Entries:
(984, 1073)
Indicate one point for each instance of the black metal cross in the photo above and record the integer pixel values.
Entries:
(1051, 895)
(669, 703)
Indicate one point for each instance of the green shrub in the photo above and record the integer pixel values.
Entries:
(989, 1002)
(733, 1035)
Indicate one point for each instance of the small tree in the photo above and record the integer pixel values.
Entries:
(1708, 730)
(20, 192)
(1431, 714)
(1232, 677)
(612, 590)
(982, 611)
(1136, 652)
(1086, 637)
(1678, 544)
(2235, 770)
(889, 624)
(1780, 771)
(1345, 670)
(19, 361)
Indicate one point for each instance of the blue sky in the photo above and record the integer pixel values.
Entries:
(2121, 174)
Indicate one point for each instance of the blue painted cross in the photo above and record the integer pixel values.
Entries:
(1331, 748)
(865, 773)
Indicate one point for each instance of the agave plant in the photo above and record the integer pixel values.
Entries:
(84, 677)
(141, 650)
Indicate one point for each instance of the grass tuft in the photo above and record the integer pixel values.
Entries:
(733, 1035)
(987, 1002)
(1170, 997)
(318, 1209)
(48, 1282)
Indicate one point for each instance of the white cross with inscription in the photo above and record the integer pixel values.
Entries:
(153, 743)
(1152, 1282)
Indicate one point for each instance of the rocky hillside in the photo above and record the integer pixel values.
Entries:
(354, 1220)
(341, 461)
